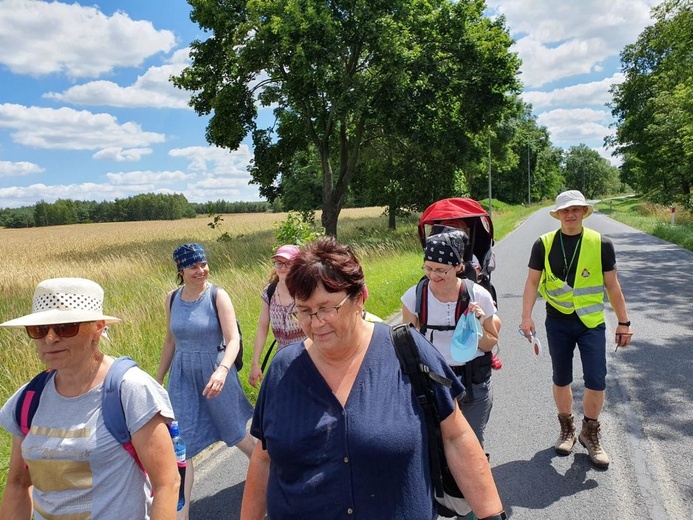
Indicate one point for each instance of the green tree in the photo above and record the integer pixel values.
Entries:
(653, 108)
(587, 171)
(343, 74)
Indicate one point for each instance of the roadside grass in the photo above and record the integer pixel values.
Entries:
(654, 219)
(132, 262)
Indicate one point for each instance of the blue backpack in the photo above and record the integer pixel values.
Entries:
(111, 405)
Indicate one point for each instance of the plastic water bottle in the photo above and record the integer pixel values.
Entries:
(179, 448)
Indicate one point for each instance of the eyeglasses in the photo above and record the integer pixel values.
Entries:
(324, 314)
(440, 272)
(64, 330)
(281, 265)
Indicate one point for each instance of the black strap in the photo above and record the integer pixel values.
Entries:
(421, 307)
(267, 355)
(419, 374)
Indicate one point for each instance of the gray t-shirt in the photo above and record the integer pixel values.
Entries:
(77, 467)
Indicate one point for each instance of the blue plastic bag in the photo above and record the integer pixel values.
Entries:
(465, 338)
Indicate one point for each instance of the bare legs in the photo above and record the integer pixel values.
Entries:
(592, 401)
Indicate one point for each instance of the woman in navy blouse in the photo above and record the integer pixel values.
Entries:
(341, 435)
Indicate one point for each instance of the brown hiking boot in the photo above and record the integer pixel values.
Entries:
(589, 438)
(564, 444)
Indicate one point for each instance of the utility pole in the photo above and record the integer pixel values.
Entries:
(490, 203)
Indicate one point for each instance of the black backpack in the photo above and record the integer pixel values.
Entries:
(449, 500)
(422, 306)
(238, 362)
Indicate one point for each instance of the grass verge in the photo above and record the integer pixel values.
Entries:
(654, 219)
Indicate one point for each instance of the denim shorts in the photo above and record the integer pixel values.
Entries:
(563, 335)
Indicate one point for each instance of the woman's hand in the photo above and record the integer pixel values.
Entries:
(216, 382)
(255, 375)
(477, 310)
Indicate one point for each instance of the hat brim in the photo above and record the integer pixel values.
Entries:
(554, 212)
(55, 316)
(283, 255)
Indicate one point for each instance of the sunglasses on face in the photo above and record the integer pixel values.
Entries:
(63, 330)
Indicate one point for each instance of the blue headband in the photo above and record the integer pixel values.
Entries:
(188, 255)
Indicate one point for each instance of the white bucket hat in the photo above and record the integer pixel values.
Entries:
(64, 300)
(570, 198)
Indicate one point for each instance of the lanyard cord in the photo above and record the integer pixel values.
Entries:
(566, 267)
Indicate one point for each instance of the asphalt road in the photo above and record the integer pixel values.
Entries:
(647, 423)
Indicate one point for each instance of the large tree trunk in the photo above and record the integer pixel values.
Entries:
(392, 217)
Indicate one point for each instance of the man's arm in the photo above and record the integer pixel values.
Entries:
(529, 297)
(624, 333)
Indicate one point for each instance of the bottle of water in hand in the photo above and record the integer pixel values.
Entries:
(179, 448)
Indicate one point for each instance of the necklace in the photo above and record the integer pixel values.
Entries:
(566, 266)
(86, 385)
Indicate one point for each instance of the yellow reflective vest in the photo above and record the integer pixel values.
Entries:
(586, 299)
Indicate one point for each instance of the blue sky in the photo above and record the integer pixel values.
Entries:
(86, 111)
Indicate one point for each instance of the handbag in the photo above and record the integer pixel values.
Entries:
(449, 500)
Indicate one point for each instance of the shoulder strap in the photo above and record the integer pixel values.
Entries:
(462, 301)
(420, 376)
(173, 297)
(421, 308)
(238, 362)
(112, 406)
(213, 290)
(271, 288)
(29, 400)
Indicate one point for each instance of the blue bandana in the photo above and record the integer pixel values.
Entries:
(188, 255)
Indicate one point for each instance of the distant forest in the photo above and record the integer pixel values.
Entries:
(148, 206)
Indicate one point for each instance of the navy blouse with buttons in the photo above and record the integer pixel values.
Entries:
(366, 460)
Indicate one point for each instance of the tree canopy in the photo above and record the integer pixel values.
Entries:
(653, 107)
(350, 79)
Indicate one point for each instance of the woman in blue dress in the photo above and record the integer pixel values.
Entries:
(341, 432)
(203, 384)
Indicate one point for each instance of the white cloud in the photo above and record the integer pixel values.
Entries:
(216, 160)
(583, 94)
(138, 178)
(18, 169)
(153, 90)
(569, 127)
(69, 129)
(79, 41)
(560, 39)
(117, 153)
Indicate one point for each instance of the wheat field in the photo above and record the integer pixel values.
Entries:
(132, 261)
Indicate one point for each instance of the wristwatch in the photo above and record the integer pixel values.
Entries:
(624, 323)
(499, 516)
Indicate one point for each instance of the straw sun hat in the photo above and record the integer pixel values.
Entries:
(64, 300)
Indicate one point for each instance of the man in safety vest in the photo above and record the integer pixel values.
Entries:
(571, 267)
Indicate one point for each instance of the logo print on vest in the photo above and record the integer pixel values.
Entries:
(585, 273)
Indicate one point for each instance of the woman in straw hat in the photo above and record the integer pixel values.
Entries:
(203, 383)
(76, 466)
